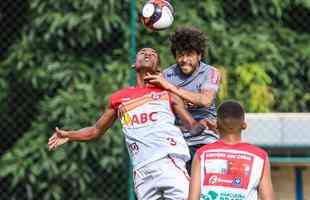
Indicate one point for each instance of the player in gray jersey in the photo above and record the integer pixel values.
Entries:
(196, 82)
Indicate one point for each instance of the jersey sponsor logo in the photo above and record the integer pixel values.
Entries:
(222, 195)
(137, 119)
(211, 195)
(216, 180)
(227, 169)
(237, 181)
(133, 148)
(213, 180)
(157, 95)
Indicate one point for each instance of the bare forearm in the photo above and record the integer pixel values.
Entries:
(267, 195)
(180, 110)
(265, 191)
(93, 132)
(88, 133)
(190, 123)
(195, 98)
(203, 98)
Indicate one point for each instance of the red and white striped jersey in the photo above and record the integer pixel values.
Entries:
(148, 124)
(230, 171)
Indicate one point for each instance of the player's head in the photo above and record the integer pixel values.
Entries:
(230, 117)
(188, 45)
(147, 59)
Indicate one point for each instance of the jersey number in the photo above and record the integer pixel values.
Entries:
(172, 141)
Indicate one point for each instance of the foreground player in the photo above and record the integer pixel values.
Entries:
(193, 80)
(229, 168)
(156, 146)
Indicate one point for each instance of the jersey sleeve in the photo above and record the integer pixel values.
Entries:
(212, 79)
(166, 76)
(112, 104)
(202, 149)
(265, 157)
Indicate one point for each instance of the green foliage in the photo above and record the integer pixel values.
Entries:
(74, 53)
(253, 87)
(68, 51)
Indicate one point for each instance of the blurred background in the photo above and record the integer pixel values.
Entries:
(61, 59)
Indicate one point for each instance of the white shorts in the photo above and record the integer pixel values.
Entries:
(166, 178)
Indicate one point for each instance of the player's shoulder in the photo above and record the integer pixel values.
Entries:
(208, 68)
(131, 93)
(122, 93)
(170, 71)
(207, 147)
(212, 74)
(251, 148)
(243, 146)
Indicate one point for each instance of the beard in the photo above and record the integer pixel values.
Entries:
(187, 69)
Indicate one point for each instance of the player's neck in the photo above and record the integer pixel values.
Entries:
(231, 138)
(140, 80)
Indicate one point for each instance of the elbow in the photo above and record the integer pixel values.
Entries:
(197, 129)
(95, 134)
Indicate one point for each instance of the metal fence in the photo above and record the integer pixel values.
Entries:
(78, 171)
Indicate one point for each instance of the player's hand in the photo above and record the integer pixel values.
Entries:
(211, 124)
(158, 80)
(189, 105)
(58, 138)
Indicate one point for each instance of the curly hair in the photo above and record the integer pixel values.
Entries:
(188, 39)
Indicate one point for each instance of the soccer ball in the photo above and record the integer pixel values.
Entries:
(157, 14)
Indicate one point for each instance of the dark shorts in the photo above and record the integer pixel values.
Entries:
(192, 150)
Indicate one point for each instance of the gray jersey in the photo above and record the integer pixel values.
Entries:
(205, 77)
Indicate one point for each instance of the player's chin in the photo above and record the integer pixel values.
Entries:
(187, 70)
(150, 67)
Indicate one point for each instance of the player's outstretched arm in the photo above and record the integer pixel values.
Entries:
(61, 136)
(194, 188)
(265, 189)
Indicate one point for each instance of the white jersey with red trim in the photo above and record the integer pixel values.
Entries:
(148, 125)
(231, 172)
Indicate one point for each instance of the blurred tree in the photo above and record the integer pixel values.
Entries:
(70, 56)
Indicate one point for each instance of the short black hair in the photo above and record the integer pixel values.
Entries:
(230, 109)
(230, 117)
(187, 39)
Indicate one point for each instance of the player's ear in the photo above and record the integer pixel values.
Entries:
(244, 125)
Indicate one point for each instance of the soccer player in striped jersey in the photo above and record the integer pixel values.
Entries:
(230, 168)
(196, 82)
(156, 146)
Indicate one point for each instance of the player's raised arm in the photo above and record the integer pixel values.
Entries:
(194, 127)
(88, 133)
(204, 98)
